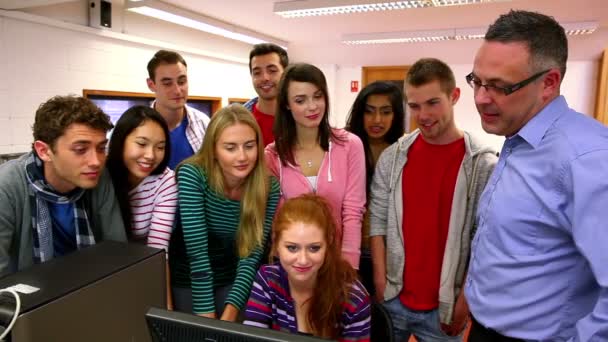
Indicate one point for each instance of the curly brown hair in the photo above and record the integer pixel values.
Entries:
(55, 115)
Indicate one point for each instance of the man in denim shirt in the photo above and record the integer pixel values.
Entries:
(539, 265)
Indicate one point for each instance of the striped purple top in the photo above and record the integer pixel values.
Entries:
(270, 306)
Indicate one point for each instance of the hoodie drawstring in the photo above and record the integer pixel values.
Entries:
(329, 167)
(280, 178)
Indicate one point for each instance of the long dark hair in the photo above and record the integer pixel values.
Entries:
(355, 125)
(284, 128)
(129, 121)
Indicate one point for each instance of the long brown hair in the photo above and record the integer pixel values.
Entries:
(355, 122)
(256, 187)
(335, 277)
(284, 127)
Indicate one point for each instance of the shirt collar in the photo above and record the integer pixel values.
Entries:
(187, 113)
(534, 131)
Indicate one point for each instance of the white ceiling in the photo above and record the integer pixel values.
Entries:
(21, 4)
(317, 39)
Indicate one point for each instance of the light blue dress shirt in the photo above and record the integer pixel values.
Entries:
(539, 262)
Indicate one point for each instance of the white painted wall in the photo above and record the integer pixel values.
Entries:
(127, 22)
(343, 97)
(39, 61)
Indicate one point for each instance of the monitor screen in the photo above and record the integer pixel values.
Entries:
(114, 106)
(168, 326)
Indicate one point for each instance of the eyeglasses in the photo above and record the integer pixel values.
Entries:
(475, 83)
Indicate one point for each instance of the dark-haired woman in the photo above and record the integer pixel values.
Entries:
(308, 156)
(145, 186)
(377, 117)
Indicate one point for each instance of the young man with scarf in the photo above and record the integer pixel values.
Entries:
(58, 198)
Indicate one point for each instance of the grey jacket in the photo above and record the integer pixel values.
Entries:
(16, 241)
(386, 216)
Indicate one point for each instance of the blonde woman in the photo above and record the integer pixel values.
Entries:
(227, 202)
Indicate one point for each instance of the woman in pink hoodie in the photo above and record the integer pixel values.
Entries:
(308, 156)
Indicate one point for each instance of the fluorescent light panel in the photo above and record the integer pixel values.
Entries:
(176, 15)
(305, 8)
(578, 28)
(413, 36)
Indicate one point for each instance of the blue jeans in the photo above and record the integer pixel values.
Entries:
(424, 325)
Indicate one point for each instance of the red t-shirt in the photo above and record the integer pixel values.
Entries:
(265, 121)
(429, 179)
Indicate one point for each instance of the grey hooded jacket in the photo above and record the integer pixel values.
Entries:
(16, 240)
(386, 216)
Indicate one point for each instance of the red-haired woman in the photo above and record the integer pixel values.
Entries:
(311, 290)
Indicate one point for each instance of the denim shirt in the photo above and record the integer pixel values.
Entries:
(539, 265)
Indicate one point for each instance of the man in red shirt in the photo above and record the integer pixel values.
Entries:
(266, 64)
(423, 201)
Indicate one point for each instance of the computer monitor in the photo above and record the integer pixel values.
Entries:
(168, 326)
(99, 293)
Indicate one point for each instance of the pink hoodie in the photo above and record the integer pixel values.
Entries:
(341, 180)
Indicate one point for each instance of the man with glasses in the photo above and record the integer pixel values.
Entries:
(539, 265)
(422, 211)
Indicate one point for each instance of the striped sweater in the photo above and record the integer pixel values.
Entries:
(153, 205)
(270, 306)
(210, 222)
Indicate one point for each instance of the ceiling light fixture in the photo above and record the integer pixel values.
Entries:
(305, 8)
(580, 28)
(576, 28)
(413, 36)
(179, 16)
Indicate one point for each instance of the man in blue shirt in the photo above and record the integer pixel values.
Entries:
(539, 265)
(168, 79)
(58, 198)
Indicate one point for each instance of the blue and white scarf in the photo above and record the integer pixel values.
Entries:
(41, 194)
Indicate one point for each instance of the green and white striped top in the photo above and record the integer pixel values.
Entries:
(210, 223)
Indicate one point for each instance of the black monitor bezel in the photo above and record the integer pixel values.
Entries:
(156, 316)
